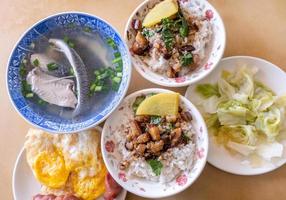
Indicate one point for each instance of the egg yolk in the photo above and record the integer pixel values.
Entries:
(89, 188)
(50, 169)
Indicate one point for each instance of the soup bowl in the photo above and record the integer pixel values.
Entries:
(42, 116)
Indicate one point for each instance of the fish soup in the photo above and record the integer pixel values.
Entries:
(71, 71)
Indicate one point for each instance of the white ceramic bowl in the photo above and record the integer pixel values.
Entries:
(270, 75)
(215, 49)
(24, 184)
(143, 187)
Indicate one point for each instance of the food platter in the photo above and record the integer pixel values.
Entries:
(70, 71)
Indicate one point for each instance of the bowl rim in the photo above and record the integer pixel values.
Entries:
(198, 171)
(236, 58)
(174, 84)
(30, 27)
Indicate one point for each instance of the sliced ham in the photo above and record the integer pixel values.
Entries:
(112, 188)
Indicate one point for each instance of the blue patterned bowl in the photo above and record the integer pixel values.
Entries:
(39, 117)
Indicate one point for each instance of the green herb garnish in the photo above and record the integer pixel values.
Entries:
(186, 59)
(167, 34)
(36, 62)
(184, 29)
(169, 127)
(208, 90)
(155, 120)
(52, 66)
(137, 102)
(156, 166)
(185, 138)
(147, 33)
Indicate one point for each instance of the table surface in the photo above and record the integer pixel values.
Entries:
(254, 27)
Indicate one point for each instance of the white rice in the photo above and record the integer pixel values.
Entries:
(175, 160)
(203, 36)
(200, 41)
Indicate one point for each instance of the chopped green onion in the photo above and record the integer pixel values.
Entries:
(87, 29)
(117, 60)
(119, 74)
(118, 68)
(71, 72)
(111, 43)
(24, 61)
(117, 54)
(92, 87)
(103, 75)
(42, 102)
(71, 25)
(23, 70)
(36, 62)
(116, 79)
(52, 66)
(71, 44)
(29, 95)
(32, 45)
(68, 41)
(96, 73)
(26, 87)
(97, 88)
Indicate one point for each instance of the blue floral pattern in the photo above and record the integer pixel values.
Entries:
(39, 117)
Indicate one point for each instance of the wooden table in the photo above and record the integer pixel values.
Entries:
(254, 27)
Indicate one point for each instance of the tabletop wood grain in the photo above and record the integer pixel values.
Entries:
(254, 27)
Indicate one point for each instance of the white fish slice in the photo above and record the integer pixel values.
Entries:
(80, 72)
(51, 89)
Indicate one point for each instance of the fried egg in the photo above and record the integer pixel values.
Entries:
(67, 163)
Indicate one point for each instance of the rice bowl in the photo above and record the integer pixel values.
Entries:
(181, 164)
(191, 55)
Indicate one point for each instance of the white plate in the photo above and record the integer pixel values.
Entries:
(24, 184)
(139, 186)
(270, 75)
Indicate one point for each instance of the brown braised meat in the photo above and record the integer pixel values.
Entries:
(140, 44)
(150, 136)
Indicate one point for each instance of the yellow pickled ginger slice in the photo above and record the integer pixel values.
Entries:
(164, 9)
(160, 105)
